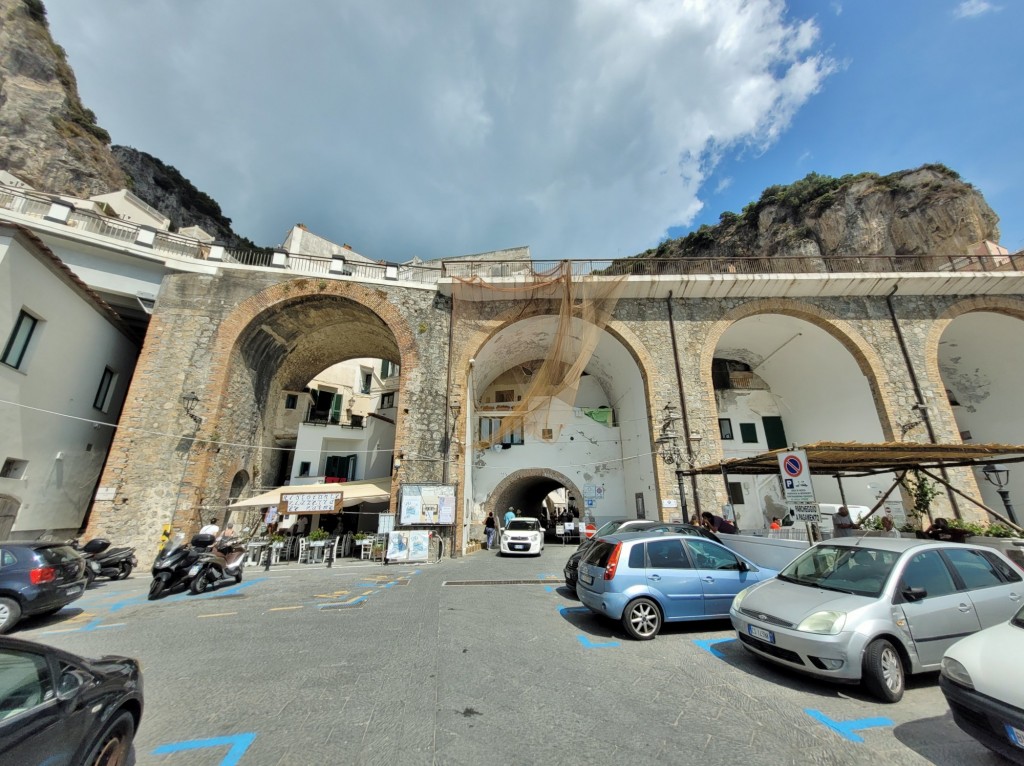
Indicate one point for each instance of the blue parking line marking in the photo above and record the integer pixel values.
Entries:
(588, 644)
(847, 728)
(239, 743)
(707, 645)
(549, 589)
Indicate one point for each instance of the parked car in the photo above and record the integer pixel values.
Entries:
(873, 609)
(522, 536)
(60, 709)
(629, 525)
(983, 680)
(37, 578)
(645, 580)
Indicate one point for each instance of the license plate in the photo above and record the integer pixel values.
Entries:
(588, 579)
(1016, 735)
(520, 547)
(761, 633)
(70, 591)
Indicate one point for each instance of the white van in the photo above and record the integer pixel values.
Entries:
(828, 510)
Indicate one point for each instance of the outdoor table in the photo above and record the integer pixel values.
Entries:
(316, 551)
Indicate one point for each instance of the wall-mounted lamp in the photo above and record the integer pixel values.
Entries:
(189, 402)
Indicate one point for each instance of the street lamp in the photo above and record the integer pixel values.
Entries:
(999, 477)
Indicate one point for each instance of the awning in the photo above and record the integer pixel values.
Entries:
(353, 493)
(862, 459)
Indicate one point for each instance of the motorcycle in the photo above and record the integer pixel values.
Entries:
(174, 563)
(103, 561)
(218, 561)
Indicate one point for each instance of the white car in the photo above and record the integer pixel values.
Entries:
(983, 680)
(522, 536)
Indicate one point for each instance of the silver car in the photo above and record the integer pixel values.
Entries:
(873, 609)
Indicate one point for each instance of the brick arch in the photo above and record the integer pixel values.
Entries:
(275, 299)
(867, 358)
(495, 500)
(993, 304)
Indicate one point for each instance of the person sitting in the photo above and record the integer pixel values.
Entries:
(941, 530)
(717, 523)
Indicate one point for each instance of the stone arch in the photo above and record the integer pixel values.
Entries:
(272, 301)
(497, 501)
(866, 357)
(996, 304)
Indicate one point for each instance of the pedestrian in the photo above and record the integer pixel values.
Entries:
(843, 525)
(716, 523)
(776, 524)
(210, 528)
(509, 515)
(888, 528)
(489, 530)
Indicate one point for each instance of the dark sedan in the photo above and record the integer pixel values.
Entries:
(37, 578)
(59, 709)
(573, 564)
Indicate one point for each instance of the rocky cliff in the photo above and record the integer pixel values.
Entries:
(52, 142)
(926, 211)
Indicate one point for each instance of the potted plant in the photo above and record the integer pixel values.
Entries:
(318, 537)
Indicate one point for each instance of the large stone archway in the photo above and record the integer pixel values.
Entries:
(544, 479)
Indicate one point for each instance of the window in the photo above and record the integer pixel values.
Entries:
(17, 344)
(291, 401)
(13, 468)
(387, 401)
(927, 570)
(547, 434)
(748, 433)
(489, 428)
(735, 493)
(711, 556)
(304, 468)
(636, 557)
(24, 682)
(725, 428)
(106, 390)
(367, 382)
(974, 569)
(388, 369)
(504, 397)
(667, 554)
(1002, 567)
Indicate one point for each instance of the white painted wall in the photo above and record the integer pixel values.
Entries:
(67, 355)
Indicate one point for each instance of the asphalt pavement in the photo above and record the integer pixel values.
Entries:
(475, 660)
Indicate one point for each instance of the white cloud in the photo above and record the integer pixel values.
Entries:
(971, 8)
(580, 128)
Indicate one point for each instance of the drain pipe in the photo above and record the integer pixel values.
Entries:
(448, 426)
(920, 406)
(686, 422)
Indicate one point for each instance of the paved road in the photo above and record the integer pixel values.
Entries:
(476, 660)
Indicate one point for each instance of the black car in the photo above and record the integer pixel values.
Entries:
(630, 525)
(37, 578)
(59, 709)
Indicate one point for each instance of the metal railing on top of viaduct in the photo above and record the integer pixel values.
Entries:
(37, 205)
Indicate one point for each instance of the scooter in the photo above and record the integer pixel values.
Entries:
(174, 563)
(217, 561)
(103, 561)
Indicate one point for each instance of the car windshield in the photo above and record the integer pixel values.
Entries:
(59, 554)
(529, 525)
(608, 528)
(599, 553)
(861, 571)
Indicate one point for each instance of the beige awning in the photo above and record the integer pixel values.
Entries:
(353, 493)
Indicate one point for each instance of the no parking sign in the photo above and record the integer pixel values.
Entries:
(796, 477)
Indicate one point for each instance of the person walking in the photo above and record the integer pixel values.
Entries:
(509, 515)
(489, 530)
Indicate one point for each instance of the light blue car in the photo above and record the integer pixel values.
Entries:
(646, 580)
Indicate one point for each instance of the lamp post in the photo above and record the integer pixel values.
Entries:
(999, 477)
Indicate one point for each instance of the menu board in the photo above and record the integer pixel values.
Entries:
(427, 504)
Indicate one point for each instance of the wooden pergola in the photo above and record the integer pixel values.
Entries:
(856, 459)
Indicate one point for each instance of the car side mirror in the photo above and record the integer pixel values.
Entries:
(914, 594)
(742, 565)
(70, 684)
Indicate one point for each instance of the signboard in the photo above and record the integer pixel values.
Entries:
(589, 490)
(669, 502)
(427, 504)
(590, 530)
(310, 502)
(271, 517)
(895, 508)
(408, 545)
(588, 502)
(796, 477)
(385, 523)
(808, 512)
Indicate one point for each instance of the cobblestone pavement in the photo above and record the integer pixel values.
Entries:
(476, 660)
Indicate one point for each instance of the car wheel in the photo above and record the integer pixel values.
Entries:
(157, 587)
(114, 744)
(641, 619)
(10, 613)
(126, 569)
(883, 675)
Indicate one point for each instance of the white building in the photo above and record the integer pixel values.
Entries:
(64, 351)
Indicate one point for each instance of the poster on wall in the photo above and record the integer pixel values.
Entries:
(427, 504)
(408, 545)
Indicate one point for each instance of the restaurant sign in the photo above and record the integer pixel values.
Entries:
(310, 502)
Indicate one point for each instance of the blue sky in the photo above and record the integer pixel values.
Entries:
(582, 128)
(916, 82)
